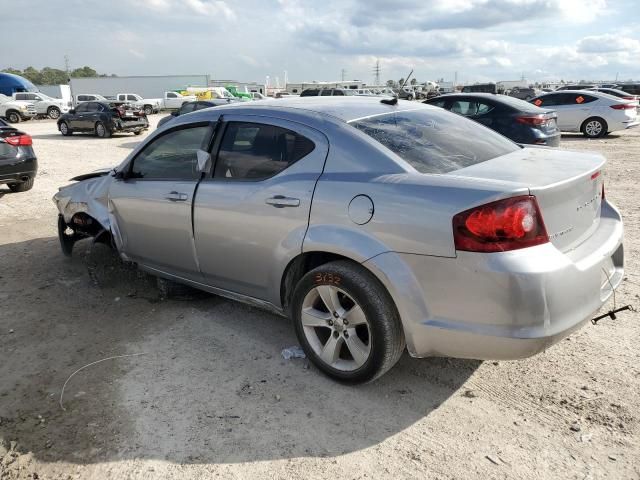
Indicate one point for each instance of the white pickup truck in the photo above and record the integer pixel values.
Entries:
(149, 105)
(16, 110)
(170, 101)
(45, 105)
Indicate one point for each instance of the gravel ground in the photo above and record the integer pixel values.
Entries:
(212, 397)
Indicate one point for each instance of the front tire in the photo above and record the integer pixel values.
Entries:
(64, 129)
(21, 187)
(102, 131)
(148, 109)
(13, 117)
(53, 113)
(346, 322)
(594, 127)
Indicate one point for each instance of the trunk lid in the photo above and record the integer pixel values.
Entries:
(567, 186)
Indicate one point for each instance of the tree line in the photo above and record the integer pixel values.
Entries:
(53, 76)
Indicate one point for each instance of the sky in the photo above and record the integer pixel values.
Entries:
(477, 40)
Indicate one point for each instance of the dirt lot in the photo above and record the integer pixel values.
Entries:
(212, 396)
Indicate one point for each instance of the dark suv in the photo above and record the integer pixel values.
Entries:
(18, 163)
(327, 92)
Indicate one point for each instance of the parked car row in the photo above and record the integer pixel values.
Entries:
(594, 113)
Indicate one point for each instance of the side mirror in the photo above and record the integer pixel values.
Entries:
(174, 113)
(118, 174)
(72, 111)
(204, 161)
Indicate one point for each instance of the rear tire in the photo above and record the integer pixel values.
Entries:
(13, 117)
(594, 127)
(21, 187)
(362, 338)
(53, 113)
(102, 131)
(64, 129)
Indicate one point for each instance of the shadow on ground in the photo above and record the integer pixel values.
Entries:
(211, 386)
(579, 137)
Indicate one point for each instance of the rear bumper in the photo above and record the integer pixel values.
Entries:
(17, 172)
(130, 125)
(504, 305)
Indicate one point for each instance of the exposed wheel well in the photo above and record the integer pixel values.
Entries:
(85, 225)
(297, 269)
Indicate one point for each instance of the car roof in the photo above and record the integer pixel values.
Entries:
(346, 109)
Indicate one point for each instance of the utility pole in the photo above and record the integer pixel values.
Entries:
(376, 73)
(66, 64)
(343, 74)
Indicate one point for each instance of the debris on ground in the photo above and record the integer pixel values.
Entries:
(293, 352)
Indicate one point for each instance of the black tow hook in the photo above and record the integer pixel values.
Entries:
(612, 313)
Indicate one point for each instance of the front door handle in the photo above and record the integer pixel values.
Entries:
(177, 196)
(280, 201)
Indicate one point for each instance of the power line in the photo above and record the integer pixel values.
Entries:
(376, 72)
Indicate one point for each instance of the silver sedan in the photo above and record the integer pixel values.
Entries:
(376, 225)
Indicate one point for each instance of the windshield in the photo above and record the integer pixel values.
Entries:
(434, 140)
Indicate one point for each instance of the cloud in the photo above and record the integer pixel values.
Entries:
(609, 43)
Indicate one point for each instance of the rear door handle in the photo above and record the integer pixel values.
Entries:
(280, 201)
(177, 196)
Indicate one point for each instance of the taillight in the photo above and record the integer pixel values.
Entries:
(500, 226)
(535, 120)
(628, 98)
(623, 106)
(19, 140)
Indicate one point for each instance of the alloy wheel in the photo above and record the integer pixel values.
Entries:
(336, 328)
(593, 128)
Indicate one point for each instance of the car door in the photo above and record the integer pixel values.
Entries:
(172, 100)
(78, 120)
(252, 212)
(151, 205)
(575, 109)
(92, 116)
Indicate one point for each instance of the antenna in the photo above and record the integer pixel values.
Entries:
(406, 79)
(376, 72)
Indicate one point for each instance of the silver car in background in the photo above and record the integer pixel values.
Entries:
(373, 223)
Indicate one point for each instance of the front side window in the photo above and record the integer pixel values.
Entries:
(171, 156)
(81, 108)
(93, 107)
(131, 98)
(434, 141)
(256, 151)
(171, 95)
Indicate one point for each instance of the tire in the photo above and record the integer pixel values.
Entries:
(148, 109)
(101, 130)
(377, 338)
(21, 187)
(64, 129)
(13, 117)
(594, 127)
(53, 113)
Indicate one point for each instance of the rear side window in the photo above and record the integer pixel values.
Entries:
(171, 156)
(256, 151)
(311, 92)
(434, 141)
(326, 93)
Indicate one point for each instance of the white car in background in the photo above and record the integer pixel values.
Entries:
(45, 105)
(593, 113)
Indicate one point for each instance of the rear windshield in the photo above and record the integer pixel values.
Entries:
(434, 140)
